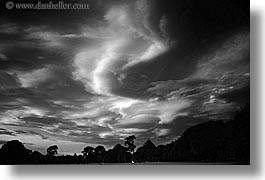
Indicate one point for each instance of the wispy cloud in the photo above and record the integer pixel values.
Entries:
(9, 28)
(119, 69)
(130, 41)
(33, 78)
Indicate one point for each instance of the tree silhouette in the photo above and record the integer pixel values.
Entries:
(14, 152)
(99, 150)
(88, 153)
(146, 152)
(52, 150)
(119, 152)
(129, 143)
(99, 153)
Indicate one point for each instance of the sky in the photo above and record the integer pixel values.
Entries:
(149, 68)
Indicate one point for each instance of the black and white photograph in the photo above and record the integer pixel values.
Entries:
(127, 82)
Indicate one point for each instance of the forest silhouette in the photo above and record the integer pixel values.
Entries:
(210, 142)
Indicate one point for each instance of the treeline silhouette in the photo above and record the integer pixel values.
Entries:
(213, 141)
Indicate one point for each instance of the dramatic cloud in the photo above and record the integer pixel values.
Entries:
(147, 68)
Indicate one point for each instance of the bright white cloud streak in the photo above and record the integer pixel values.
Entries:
(129, 40)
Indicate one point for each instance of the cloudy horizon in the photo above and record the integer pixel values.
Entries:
(147, 68)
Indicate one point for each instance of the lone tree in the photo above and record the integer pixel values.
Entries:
(52, 150)
(129, 143)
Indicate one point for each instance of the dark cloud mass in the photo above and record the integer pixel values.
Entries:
(150, 68)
